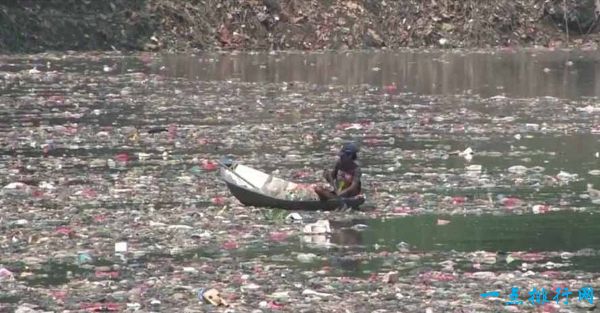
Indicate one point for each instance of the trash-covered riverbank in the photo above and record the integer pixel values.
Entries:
(111, 202)
(208, 25)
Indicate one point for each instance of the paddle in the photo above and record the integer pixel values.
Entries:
(238, 175)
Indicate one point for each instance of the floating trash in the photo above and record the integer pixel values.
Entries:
(212, 296)
(121, 247)
(112, 201)
(319, 227)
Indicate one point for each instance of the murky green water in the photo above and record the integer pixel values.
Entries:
(531, 118)
(549, 232)
(555, 232)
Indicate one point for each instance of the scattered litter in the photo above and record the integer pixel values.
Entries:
(5, 274)
(293, 218)
(212, 296)
(593, 193)
(390, 277)
(594, 172)
(310, 292)
(306, 257)
(319, 227)
(121, 247)
(517, 169)
(359, 227)
(540, 209)
(112, 200)
(467, 154)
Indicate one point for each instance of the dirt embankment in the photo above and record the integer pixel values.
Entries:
(188, 25)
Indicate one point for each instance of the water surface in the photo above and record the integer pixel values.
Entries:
(81, 125)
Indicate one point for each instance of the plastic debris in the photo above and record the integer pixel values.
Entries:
(319, 227)
(293, 218)
(306, 257)
(212, 296)
(593, 193)
(467, 154)
(443, 222)
(390, 277)
(84, 257)
(112, 200)
(541, 209)
(6, 274)
(594, 172)
(121, 247)
(310, 292)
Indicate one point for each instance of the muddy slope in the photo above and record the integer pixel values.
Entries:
(187, 25)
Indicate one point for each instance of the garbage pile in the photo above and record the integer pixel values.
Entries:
(268, 25)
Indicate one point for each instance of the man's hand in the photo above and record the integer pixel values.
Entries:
(353, 187)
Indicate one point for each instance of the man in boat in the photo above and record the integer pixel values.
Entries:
(345, 176)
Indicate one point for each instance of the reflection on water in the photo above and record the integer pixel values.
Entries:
(517, 74)
(501, 235)
(546, 232)
(339, 233)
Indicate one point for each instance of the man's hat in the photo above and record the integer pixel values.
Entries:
(349, 149)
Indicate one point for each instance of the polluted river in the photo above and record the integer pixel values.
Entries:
(480, 171)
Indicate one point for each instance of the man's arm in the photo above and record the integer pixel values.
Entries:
(330, 175)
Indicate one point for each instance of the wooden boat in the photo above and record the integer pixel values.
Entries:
(255, 188)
